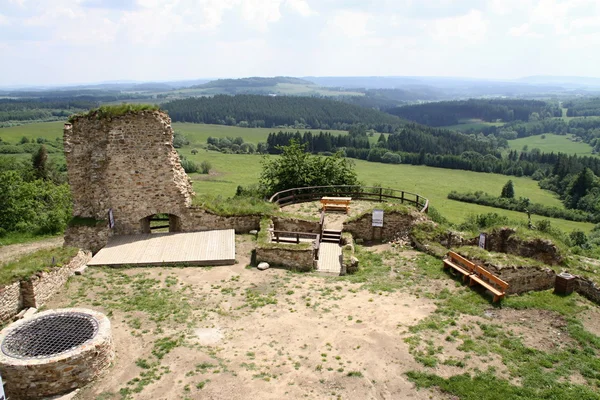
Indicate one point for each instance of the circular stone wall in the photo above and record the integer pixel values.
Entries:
(54, 352)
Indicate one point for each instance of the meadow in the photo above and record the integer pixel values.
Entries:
(231, 170)
(465, 124)
(552, 143)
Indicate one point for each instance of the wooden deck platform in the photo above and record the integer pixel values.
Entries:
(330, 258)
(193, 248)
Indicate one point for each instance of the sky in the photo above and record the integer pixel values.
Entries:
(55, 42)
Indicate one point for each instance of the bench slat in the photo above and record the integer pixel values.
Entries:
(457, 267)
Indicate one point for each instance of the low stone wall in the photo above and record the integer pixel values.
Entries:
(201, 220)
(92, 238)
(39, 288)
(296, 225)
(525, 279)
(286, 256)
(36, 290)
(395, 224)
(588, 289)
(10, 301)
(504, 240)
(349, 261)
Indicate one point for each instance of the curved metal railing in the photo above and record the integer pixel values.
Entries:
(312, 193)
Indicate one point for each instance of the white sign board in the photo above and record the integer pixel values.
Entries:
(2, 396)
(482, 240)
(378, 218)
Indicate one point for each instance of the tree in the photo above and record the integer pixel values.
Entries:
(508, 191)
(40, 163)
(296, 168)
(579, 187)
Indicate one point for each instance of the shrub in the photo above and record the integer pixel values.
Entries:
(189, 167)
(205, 166)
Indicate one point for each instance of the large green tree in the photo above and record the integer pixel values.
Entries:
(297, 168)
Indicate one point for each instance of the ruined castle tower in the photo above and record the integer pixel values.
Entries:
(127, 164)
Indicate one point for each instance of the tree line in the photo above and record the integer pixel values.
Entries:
(583, 107)
(268, 111)
(445, 113)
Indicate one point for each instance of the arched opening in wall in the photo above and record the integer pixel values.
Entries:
(161, 223)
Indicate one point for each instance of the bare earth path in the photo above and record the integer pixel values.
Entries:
(13, 251)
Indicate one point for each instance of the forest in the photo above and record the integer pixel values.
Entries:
(446, 113)
(583, 107)
(275, 111)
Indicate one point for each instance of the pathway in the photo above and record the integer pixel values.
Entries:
(330, 258)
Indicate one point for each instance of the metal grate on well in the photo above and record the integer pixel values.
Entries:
(50, 335)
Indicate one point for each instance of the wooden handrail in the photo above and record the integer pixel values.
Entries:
(310, 193)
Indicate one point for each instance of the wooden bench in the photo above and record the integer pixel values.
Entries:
(459, 264)
(476, 274)
(489, 281)
(336, 203)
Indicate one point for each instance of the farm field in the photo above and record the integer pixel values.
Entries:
(231, 170)
(552, 143)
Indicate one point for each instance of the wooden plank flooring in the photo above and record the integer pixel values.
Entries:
(330, 258)
(193, 248)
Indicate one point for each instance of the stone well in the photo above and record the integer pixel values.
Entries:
(54, 352)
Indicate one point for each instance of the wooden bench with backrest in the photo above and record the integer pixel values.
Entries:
(476, 274)
(459, 264)
(489, 281)
(336, 203)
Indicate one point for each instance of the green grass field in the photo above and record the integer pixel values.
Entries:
(552, 143)
(231, 170)
(471, 124)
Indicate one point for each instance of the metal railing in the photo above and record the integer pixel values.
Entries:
(312, 193)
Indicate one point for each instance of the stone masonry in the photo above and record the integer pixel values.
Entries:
(128, 164)
(37, 289)
(35, 378)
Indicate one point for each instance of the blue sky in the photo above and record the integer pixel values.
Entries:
(76, 41)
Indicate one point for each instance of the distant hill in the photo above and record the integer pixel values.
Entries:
(269, 111)
(252, 82)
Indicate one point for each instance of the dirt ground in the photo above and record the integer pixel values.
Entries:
(234, 332)
(293, 336)
(13, 251)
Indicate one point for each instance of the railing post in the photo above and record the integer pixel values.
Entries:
(417, 200)
(402, 197)
(380, 193)
(297, 238)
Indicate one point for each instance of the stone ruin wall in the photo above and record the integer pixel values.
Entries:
(38, 288)
(396, 224)
(128, 164)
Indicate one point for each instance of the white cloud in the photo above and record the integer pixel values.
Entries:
(4, 20)
(524, 31)
(351, 24)
(260, 13)
(470, 28)
(300, 7)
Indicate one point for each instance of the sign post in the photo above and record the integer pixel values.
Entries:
(482, 240)
(111, 219)
(377, 218)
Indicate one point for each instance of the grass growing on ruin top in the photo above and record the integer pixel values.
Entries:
(111, 111)
(26, 266)
(235, 205)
